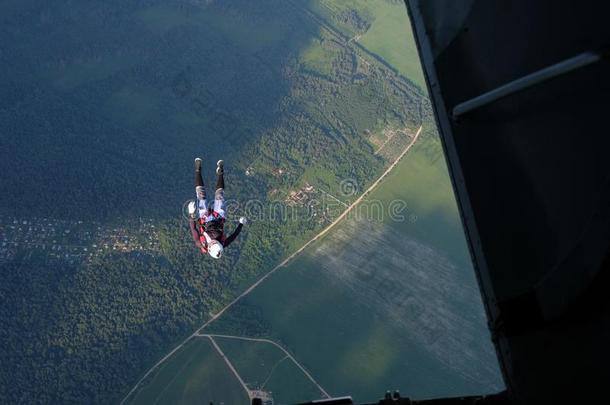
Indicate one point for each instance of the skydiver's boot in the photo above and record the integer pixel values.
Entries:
(220, 178)
(199, 190)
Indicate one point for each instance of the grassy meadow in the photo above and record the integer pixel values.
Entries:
(389, 35)
(196, 374)
(265, 367)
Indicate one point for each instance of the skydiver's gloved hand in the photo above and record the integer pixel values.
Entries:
(192, 208)
(243, 220)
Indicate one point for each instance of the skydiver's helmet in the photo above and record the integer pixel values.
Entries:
(215, 249)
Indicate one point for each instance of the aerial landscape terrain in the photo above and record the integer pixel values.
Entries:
(353, 275)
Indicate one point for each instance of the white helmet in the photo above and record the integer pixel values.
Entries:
(215, 249)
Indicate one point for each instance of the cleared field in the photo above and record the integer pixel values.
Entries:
(383, 303)
(389, 34)
(431, 215)
(264, 367)
(255, 361)
(288, 386)
(319, 57)
(390, 37)
(194, 375)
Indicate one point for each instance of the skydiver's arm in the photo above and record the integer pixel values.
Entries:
(233, 235)
(194, 232)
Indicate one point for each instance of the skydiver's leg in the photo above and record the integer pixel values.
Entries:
(219, 195)
(200, 190)
(220, 171)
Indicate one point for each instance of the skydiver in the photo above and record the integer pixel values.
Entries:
(207, 222)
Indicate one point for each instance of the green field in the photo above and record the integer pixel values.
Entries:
(196, 374)
(389, 35)
(255, 361)
(288, 385)
(423, 184)
(264, 367)
(319, 56)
